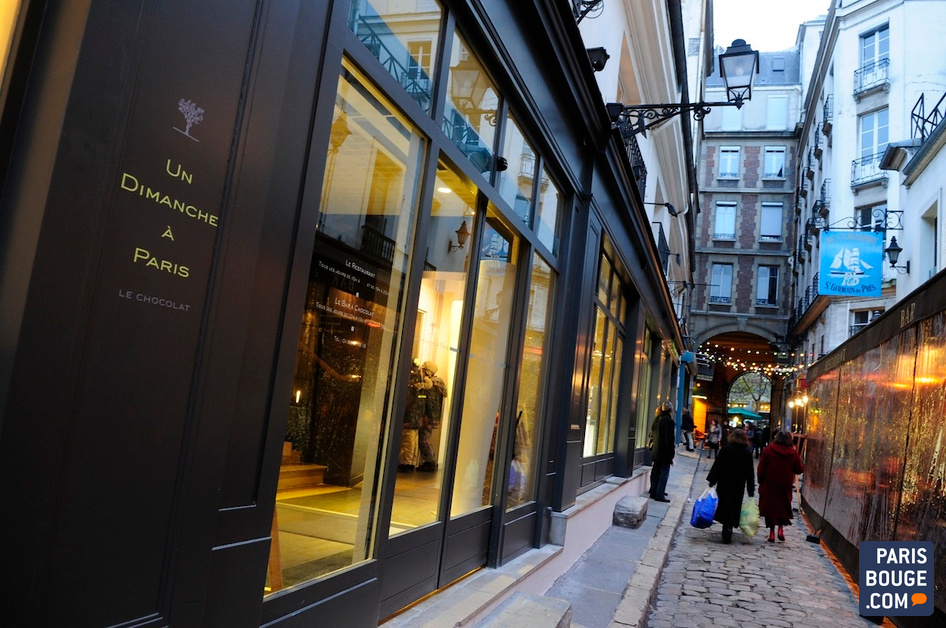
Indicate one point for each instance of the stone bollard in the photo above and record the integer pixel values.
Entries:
(630, 512)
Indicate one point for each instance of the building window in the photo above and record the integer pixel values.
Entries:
(871, 218)
(874, 133)
(725, 221)
(469, 115)
(873, 141)
(728, 162)
(767, 288)
(875, 46)
(861, 318)
(340, 399)
(603, 389)
(774, 167)
(770, 228)
(721, 284)
(403, 42)
(776, 112)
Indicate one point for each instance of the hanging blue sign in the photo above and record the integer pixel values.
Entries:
(851, 263)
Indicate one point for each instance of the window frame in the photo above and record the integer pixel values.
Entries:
(780, 207)
(729, 161)
(771, 272)
(872, 39)
(716, 285)
(724, 235)
(773, 150)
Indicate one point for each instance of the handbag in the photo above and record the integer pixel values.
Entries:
(704, 509)
(749, 518)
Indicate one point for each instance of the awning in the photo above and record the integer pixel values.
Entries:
(746, 414)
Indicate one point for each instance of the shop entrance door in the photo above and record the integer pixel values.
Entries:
(443, 503)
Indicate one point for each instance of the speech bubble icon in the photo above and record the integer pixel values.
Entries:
(918, 598)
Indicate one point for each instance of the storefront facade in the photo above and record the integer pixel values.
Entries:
(309, 309)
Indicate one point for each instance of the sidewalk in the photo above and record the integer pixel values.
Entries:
(613, 583)
(663, 574)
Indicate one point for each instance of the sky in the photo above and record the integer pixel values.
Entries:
(766, 25)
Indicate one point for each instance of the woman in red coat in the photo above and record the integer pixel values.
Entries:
(778, 466)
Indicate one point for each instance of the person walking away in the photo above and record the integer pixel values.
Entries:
(733, 476)
(778, 466)
(750, 434)
(686, 427)
(713, 437)
(757, 438)
(662, 434)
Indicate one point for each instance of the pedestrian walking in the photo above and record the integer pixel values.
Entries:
(662, 434)
(778, 466)
(733, 476)
(713, 437)
(686, 427)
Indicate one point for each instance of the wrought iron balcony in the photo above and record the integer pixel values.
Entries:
(828, 114)
(867, 170)
(870, 77)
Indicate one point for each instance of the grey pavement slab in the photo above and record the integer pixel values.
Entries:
(617, 575)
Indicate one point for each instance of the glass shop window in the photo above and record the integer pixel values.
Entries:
(469, 116)
(326, 500)
(403, 39)
(486, 369)
(605, 373)
(426, 418)
(524, 469)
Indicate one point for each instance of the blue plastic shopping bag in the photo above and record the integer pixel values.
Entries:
(704, 509)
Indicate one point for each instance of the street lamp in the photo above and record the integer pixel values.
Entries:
(738, 67)
(893, 254)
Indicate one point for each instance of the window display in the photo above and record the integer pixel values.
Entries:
(348, 344)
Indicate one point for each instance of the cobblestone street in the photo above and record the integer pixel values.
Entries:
(750, 582)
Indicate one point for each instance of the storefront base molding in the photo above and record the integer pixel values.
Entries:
(572, 532)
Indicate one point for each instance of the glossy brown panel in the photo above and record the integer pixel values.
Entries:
(875, 468)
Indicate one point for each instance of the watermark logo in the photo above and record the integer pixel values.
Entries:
(896, 578)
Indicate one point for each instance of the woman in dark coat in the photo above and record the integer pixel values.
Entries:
(778, 466)
(733, 475)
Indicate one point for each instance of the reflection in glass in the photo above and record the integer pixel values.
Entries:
(875, 468)
(516, 182)
(642, 428)
(522, 473)
(547, 213)
(426, 419)
(595, 393)
(326, 498)
(605, 363)
(482, 398)
(469, 116)
(403, 36)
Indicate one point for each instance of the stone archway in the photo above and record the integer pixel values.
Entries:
(733, 350)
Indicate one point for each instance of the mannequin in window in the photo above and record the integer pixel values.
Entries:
(414, 412)
(435, 394)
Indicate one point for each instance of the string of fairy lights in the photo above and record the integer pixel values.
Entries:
(753, 361)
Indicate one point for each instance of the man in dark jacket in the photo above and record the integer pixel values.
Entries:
(686, 427)
(662, 434)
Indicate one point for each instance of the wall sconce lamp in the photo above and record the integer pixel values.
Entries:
(738, 67)
(462, 234)
(599, 57)
(893, 254)
(670, 208)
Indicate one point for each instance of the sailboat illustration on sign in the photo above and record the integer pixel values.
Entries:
(851, 260)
